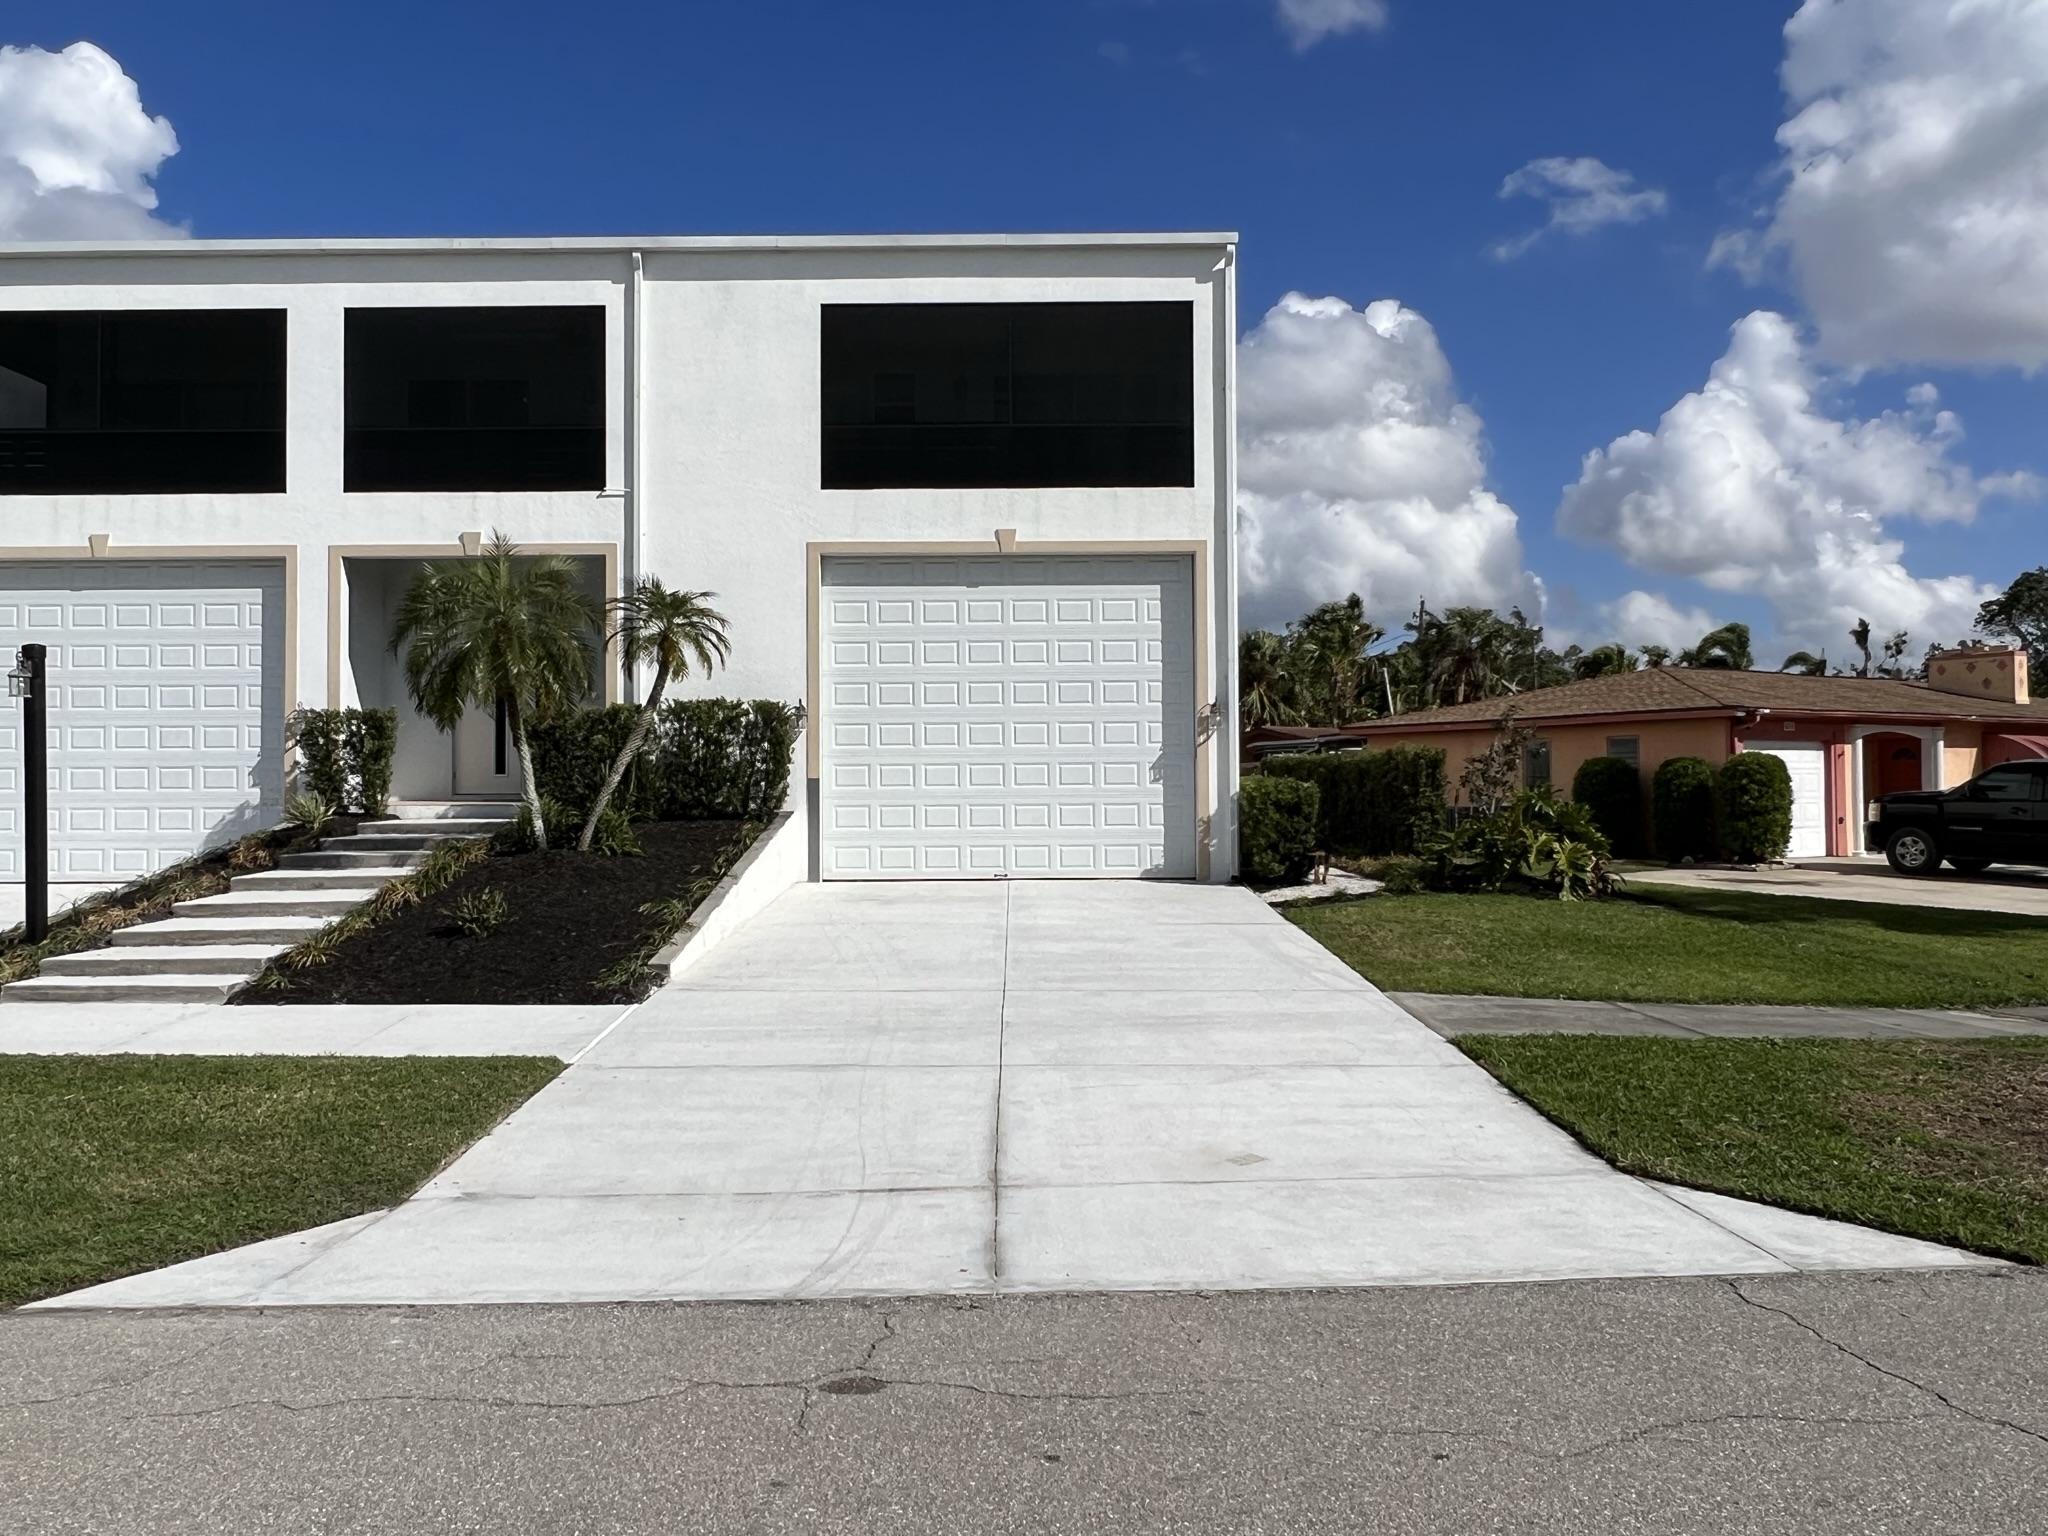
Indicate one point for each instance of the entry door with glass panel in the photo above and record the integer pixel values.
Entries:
(1007, 715)
(484, 760)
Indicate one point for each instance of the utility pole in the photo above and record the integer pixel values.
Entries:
(25, 682)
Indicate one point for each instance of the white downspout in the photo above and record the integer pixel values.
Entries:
(636, 374)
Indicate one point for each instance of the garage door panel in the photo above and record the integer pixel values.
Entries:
(1025, 752)
(159, 691)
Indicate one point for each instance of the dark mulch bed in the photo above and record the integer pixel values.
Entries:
(570, 917)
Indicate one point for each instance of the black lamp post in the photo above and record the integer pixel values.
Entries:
(25, 682)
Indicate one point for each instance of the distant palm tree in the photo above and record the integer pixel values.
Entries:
(1326, 660)
(670, 629)
(1263, 687)
(1656, 656)
(1725, 649)
(1807, 663)
(498, 630)
(1604, 660)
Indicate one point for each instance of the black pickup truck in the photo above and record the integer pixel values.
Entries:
(1999, 817)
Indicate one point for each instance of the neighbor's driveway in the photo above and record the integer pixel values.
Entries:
(2002, 888)
(891, 1089)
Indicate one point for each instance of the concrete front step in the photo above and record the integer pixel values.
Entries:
(367, 879)
(427, 830)
(364, 858)
(121, 989)
(164, 959)
(452, 810)
(325, 905)
(220, 930)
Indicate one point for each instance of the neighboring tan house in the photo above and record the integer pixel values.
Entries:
(967, 498)
(1846, 740)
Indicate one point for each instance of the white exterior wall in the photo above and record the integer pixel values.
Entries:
(731, 421)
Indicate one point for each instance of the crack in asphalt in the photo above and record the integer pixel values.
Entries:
(1886, 1371)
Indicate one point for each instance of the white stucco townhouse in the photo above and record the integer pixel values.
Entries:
(967, 498)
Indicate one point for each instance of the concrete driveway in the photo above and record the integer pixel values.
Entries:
(2002, 888)
(910, 1088)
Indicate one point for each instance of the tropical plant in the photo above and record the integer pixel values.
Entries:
(1488, 778)
(1806, 663)
(308, 810)
(1326, 661)
(1656, 656)
(1534, 839)
(671, 630)
(1604, 660)
(1725, 649)
(1265, 691)
(499, 630)
(479, 914)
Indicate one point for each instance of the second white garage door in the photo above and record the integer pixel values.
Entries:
(1808, 765)
(1007, 715)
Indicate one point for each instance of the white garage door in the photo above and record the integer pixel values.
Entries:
(1808, 765)
(1007, 715)
(166, 705)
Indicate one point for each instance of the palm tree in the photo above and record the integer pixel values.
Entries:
(498, 630)
(1603, 660)
(1326, 660)
(1263, 686)
(1806, 663)
(670, 629)
(1725, 650)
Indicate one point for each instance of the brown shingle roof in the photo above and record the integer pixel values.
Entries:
(1663, 689)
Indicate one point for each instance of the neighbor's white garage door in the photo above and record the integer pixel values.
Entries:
(1808, 765)
(1007, 715)
(166, 703)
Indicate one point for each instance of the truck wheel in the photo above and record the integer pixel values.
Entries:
(1911, 851)
(1969, 866)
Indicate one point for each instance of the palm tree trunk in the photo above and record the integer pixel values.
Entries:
(529, 787)
(627, 753)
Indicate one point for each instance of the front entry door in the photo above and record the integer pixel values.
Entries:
(484, 761)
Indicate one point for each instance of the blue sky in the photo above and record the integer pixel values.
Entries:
(1365, 164)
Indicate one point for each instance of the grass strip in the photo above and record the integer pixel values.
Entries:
(1942, 1140)
(110, 1165)
(1679, 945)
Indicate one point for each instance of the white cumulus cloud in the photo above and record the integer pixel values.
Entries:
(1583, 195)
(1308, 22)
(1360, 470)
(1751, 485)
(1642, 618)
(77, 150)
(1914, 205)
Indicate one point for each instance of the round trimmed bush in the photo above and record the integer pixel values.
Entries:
(1682, 809)
(1276, 828)
(1753, 806)
(1611, 790)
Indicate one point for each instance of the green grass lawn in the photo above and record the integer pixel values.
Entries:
(1677, 945)
(114, 1164)
(1944, 1140)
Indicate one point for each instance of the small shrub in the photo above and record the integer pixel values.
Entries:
(308, 810)
(1276, 828)
(1403, 876)
(1682, 809)
(704, 759)
(613, 836)
(479, 914)
(1611, 790)
(1535, 840)
(1753, 807)
(1371, 803)
(519, 838)
(345, 755)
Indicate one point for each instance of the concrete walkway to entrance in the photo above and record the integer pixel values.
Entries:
(930, 1088)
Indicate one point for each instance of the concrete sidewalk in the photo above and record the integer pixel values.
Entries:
(301, 1029)
(896, 1089)
(1453, 1014)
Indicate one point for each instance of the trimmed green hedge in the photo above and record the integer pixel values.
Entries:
(345, 755)
(1373, 803)
(705, 759)
(1276, 828)
(1682, 809)
(1753, 807)
(1611, 790)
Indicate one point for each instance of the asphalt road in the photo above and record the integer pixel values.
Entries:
(1900, 1402)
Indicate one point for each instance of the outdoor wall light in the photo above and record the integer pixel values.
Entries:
(21, 683)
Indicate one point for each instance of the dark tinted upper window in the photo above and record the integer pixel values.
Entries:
(962, 395)
(2005, 784)
(491, 399)
(107, 402)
